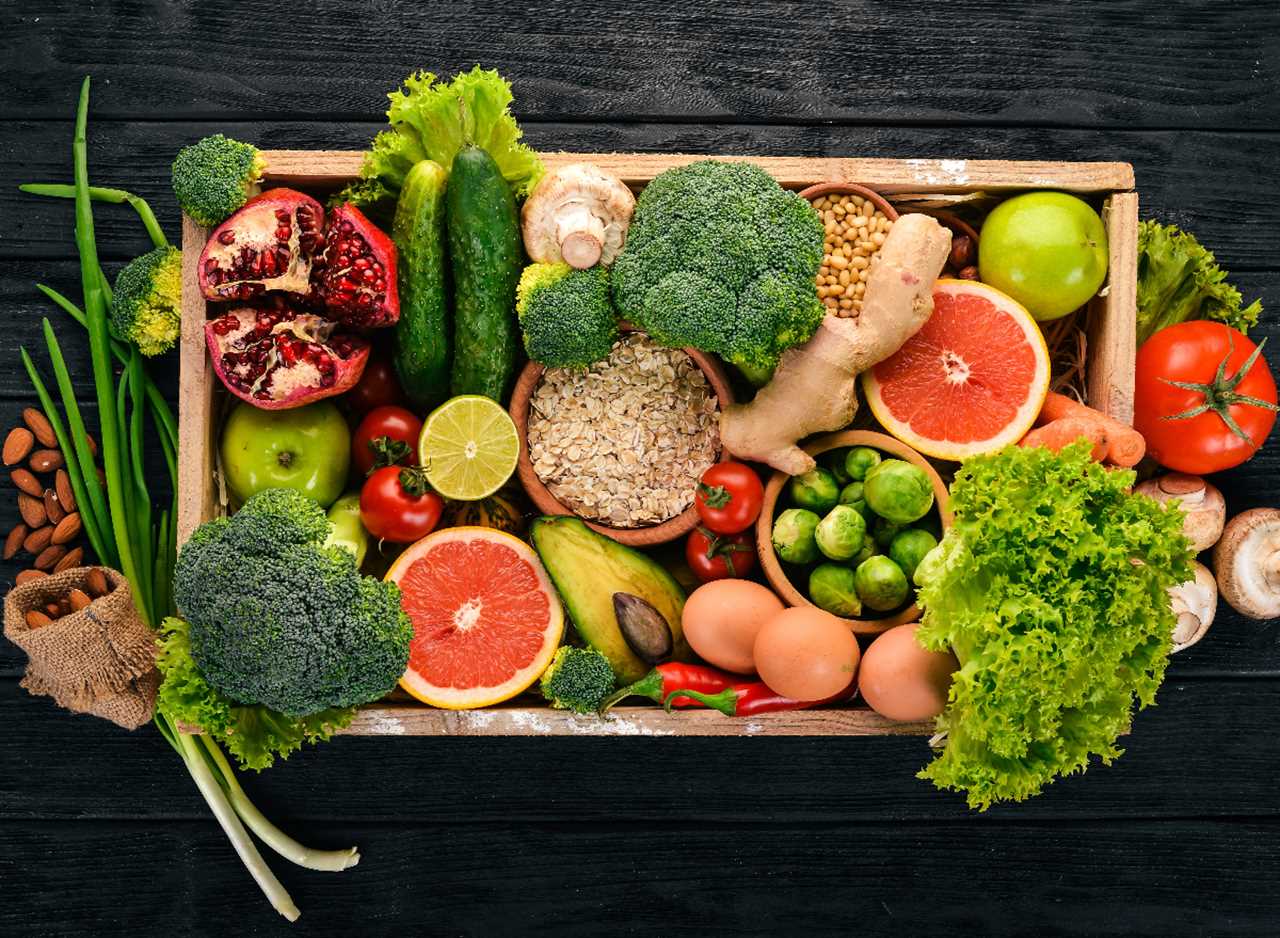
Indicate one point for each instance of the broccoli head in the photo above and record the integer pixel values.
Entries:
(147, 307)
(722, 258)
(565, 315)
(578, 679)
(278, 619)
(215, 176)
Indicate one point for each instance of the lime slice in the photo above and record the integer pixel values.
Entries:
(469, 446)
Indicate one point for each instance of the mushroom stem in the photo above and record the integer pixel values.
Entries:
(581, 236)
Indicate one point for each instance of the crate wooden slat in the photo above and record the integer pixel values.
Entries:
(1109, 381)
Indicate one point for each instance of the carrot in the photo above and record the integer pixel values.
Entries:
(1125, 445)
(1060, 433)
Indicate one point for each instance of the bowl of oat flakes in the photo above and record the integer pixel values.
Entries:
(622, 444)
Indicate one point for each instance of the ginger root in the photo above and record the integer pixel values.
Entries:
(814, 388)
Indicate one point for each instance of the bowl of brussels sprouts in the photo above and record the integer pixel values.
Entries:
(848, 535)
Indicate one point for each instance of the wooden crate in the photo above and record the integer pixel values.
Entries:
(1109, 386)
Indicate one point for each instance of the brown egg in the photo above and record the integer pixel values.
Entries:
(721, 619)
(806, 654)
(902, 681)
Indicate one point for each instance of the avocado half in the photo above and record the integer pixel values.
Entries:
(587, 569)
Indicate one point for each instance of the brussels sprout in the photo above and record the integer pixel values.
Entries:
(884, 531)
(793, 535)
(853, 496)
(899, 491)
(859, 461)
(831, 587)
(880, 583)
(815, 490)
(869, 549)
(833, 461)
(841, 533)
(909, 547)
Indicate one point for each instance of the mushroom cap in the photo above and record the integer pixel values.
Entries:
(1247, 563)
(1204, 508)
(1195, 603)
(579, 214)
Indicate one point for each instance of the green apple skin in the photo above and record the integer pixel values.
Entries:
(304, 448)
(347, 530)
(1047, 250)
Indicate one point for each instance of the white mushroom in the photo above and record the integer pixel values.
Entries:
(1205, 510)
(1247, 562)
(1194, 603)
(578, 214)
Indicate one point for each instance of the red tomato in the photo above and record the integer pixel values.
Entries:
(377, 387)
(394, 423)
(719, 556)
(1222, 373)
(397, 506)
(729, 497)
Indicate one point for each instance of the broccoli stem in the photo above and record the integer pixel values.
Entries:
(100, 194)
(330, 861)
(226, 816)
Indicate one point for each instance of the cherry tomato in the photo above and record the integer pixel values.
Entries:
(1224, 408)
(397, 425)
(719, 556)
(378, 386)
(729, 497)
(396, 505)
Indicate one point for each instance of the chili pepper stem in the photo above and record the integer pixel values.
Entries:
(726, 701)
(648, 686)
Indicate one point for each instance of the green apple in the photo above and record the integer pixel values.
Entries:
(1047, 250)
(348, 531)
(303, 448)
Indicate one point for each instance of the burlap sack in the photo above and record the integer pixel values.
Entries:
(100, 660)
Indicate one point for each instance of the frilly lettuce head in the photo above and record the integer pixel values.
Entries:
(1050, 588)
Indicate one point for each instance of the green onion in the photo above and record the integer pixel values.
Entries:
(99, 194)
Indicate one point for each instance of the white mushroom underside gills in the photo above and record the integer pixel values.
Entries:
(1247, 563)
(1194, 603)
(578, 214)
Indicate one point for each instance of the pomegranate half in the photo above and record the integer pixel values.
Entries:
(269, 244)
(277, 358)
(355, 278)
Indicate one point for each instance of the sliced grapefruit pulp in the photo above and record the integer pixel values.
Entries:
(486, 619)
(971, 381)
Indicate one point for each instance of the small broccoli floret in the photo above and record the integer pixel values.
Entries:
(215, 176)
(578, 679)
(565, 315)
(280, 620)
(722, 258)
(147, 308)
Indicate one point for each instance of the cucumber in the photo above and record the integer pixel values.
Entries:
(485, 256)
(421, 352)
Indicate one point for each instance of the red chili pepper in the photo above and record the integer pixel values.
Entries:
(747, 698)
(658, 684)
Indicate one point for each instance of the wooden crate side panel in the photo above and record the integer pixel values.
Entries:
(337, 167)
(196, 381)
(407, 719)
(1111, 345)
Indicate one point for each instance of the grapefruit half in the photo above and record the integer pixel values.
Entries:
(971, 381)
(486, 619)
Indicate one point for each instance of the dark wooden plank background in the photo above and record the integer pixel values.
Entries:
(102, 833)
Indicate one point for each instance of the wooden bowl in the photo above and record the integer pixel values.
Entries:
(773, 568)
(548, 504)
(850, 188)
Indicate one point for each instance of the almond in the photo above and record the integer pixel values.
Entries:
(53, 609)
(26, 576)
(52, 509)
(73, 558)
(32, 511)
(93, 444)
(50, 556)
(78, 599)
(97, 582)
(24, 481)
(66, 495)
(15, 539)
(37, 619)
(39, 424)
(37, 540)
(17, 445)
(46, 460)
(68, 529)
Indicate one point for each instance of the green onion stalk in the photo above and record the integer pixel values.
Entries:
(117, 510)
